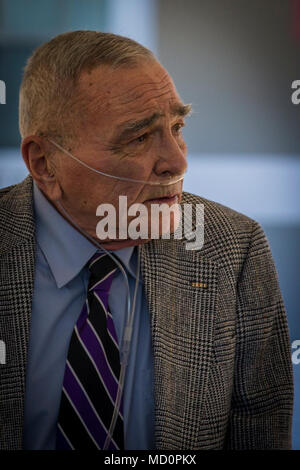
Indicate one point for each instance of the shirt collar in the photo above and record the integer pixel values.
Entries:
(66, 250)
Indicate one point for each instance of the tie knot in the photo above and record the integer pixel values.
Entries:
(102, 268)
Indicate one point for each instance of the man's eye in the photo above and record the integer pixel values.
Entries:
(141, 138)
(178, 127)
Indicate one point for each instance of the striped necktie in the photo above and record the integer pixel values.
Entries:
(92, 370)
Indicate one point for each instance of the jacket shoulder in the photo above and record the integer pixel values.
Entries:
(216, 210)
(4, 191)
(16, 214)
(227, 232)
(19, 191)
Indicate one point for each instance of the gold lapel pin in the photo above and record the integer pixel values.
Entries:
(199, 284)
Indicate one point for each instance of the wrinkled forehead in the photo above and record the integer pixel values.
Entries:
(128, 90)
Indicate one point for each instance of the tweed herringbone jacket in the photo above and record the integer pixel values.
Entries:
(222, 359)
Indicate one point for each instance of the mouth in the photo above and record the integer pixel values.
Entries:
(171, 199)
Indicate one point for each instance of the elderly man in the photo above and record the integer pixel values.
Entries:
(209, 364)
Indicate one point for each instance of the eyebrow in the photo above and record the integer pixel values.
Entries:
(182, 110)
(133, 127)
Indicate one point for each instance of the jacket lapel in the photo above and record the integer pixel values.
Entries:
(181, 289)
(16, 289)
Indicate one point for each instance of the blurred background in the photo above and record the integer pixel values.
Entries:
(235, 61)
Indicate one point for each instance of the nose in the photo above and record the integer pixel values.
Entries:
(171, 160)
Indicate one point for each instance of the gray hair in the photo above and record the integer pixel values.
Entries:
(48, 90)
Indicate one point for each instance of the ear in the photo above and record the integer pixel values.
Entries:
(34, 151)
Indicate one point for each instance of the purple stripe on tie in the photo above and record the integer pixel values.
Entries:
(61, 441)
(84, 408)
(111, 446)
(95, 349)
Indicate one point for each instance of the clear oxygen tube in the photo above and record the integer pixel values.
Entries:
(127, 332)
(170, 180)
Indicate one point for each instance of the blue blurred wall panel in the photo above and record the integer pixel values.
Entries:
(284, 241)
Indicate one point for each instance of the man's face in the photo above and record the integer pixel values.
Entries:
(130, 126)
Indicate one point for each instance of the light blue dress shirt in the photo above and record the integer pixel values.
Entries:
(61, 280)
